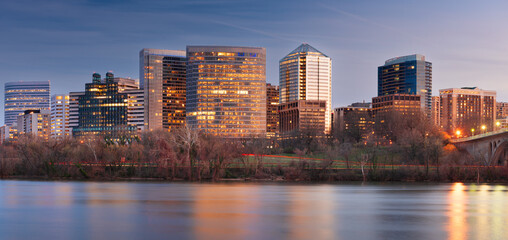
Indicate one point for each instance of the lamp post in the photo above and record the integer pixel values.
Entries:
(472, 131)
(484, 128)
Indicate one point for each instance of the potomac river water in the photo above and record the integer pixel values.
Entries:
(147, 210)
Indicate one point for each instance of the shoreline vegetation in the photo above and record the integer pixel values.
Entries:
(403, 150)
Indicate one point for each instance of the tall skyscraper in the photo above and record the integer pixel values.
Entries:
(103, 110)
(306, 74)
(469, 110)
(226, 90)
(21, 96)
(162, 75)
(272, 116)
(407, 75)
(60, 116)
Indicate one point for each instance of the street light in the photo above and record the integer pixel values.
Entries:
(483, 128)
(472, 131)
(457, 133)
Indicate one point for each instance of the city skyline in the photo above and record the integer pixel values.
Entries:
(65, 41)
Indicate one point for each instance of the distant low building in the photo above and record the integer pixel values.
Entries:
(405, 104)
(387, 111)
(302, 115)
(35, 123)
(501, 110)
(354, 120)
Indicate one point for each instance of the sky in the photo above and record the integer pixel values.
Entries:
(65, 41)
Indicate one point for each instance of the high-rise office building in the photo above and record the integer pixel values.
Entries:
(103, 110)
(21, 96)
(407, 75)
(35, 123)
(60, 116)
(272, 116)
(469, 110)
(436, 111)
(306, 74)
(226, 90)
(162, 75)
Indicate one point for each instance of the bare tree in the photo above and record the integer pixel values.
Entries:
(187, 141)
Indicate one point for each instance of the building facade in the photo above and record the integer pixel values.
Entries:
(404, 104)
(74, 109)
(272, 115)
(60, 117)
(103, 110)
(407, 75)
(226, 90)
(501, 110)
(306, 74)
(136, 108)
(35, 123)
(162, 75)
(4, 134)
(21, 96)
(355, 120)
(302, 115)
(467, 110)
(436, 110)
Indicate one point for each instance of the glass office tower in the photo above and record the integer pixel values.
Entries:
(162, 75)
(103, 110)
(21, 96)
(407, 75)
(226, 90)
(306, 74)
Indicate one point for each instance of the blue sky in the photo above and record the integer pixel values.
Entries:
(65, 41)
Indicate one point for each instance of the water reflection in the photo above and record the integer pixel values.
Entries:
(90, 210)
(221, 210)
(457, 227)
(311, 214)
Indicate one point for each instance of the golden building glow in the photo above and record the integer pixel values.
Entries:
(226, 92)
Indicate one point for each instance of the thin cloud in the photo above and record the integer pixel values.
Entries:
(368, 21)
(268, 34)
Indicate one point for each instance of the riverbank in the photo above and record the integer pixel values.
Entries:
(301, 174)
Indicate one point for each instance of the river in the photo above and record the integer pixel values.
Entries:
(144, 210)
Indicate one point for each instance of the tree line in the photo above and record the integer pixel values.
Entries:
(403, 148)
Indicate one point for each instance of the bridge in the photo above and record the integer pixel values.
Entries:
(491, 147)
